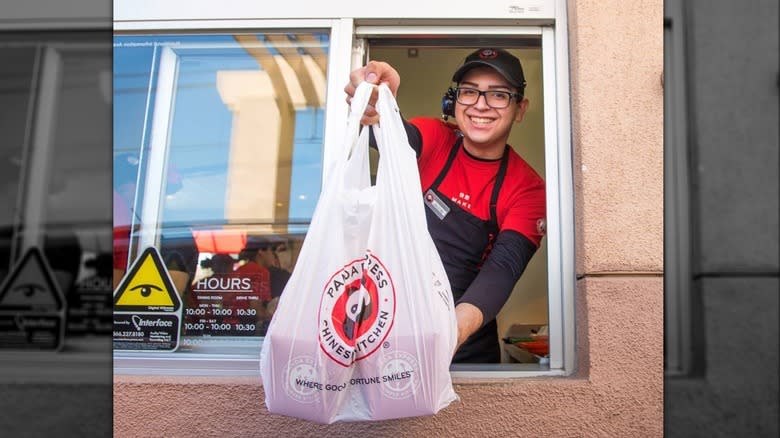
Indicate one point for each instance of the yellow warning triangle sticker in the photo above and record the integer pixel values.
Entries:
(147, 286)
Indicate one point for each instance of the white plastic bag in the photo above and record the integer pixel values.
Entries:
(365, 328)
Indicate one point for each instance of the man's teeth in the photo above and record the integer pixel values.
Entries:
(481, 120)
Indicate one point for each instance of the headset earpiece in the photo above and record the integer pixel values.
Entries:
(448, 104)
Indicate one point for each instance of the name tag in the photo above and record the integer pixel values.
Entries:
(437, 206)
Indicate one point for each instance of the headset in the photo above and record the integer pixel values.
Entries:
(448, 104)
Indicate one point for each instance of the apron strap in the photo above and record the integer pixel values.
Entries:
(448, 164)
(492, 223)
(496, 188)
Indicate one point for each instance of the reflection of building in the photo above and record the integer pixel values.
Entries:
(264, 105)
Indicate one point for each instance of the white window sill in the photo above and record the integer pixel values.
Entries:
(240, 357)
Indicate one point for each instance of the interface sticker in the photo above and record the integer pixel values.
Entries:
(147, 307)
(32, 307)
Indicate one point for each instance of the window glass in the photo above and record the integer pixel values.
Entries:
(56, 94)
(78, 242)
(16, 88)
(240, 121)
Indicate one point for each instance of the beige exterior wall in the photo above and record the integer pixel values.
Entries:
(616, 61)
(616, 68)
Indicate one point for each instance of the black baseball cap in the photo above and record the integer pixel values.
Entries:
(498, 59)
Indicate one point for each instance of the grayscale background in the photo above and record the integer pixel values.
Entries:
(55, 99)
(726, 95)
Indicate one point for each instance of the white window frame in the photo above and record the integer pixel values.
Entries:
(349, 21)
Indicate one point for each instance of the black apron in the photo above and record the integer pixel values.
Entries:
(464, 241)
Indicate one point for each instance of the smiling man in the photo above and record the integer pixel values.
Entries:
(485, 204)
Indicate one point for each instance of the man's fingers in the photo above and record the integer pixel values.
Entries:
(356, 77)
(370, 116)
(374, 97)
(366, 120)
(377, 72)
(374, 72)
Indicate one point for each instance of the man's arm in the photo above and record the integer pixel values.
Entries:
(469, 319)
(489, 291)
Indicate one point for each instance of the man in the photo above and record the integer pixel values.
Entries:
(262, 252)
(485, 204)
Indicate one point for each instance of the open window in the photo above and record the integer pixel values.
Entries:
(426, 65)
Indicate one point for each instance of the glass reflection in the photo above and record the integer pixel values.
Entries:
(239, 122)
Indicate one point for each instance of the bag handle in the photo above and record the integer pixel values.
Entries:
(397, 170)
(357, 108)
(390, 134)
(389, 119)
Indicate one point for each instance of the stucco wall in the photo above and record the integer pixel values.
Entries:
(616, 65)
(617, 116)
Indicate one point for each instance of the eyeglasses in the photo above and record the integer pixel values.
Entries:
(494, 99)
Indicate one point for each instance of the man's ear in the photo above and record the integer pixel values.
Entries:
(522, 107)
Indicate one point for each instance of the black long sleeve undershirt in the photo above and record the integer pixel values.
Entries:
(489, 291)
(415, 139)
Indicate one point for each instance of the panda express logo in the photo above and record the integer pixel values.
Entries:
(488, 54)
(356, 311)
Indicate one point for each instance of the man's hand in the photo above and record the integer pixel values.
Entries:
(375, 72)
(469, 321)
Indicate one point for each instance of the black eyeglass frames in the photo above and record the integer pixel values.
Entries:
(495, 99)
